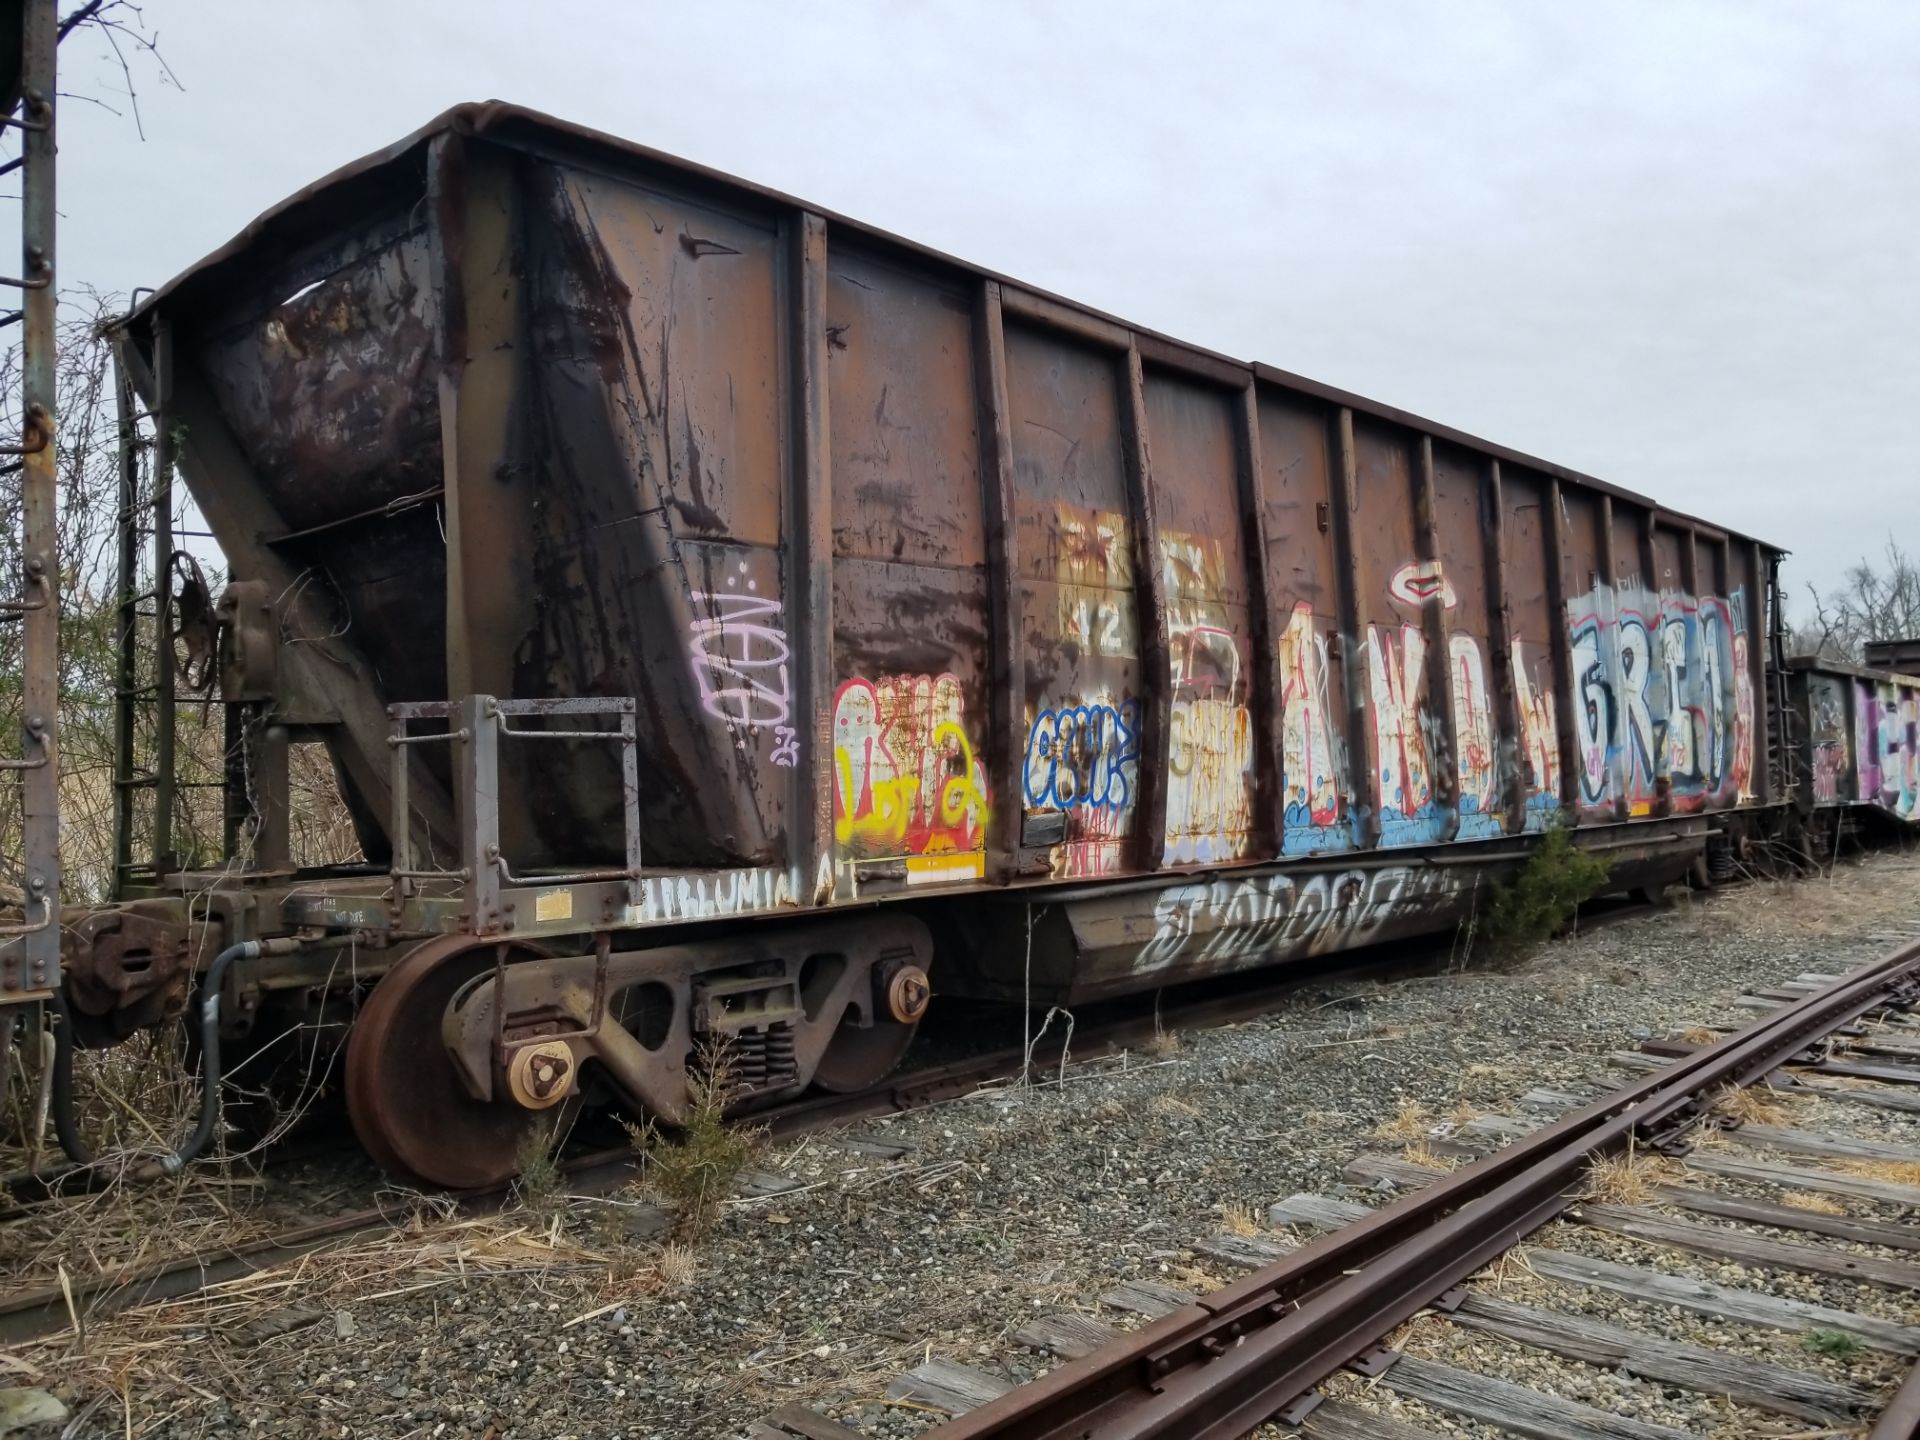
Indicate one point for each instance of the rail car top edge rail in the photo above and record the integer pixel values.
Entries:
(282, 226)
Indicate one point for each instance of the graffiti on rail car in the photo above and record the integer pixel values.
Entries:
(1312, 754)
(1475, 744)
(907, 783)
(1539, 733)
(1662, 697)
(1210, 766)
(1397, 671)
(1224, 923)
(1887, 744)
(740, 657)
(710, 894)
(1084, 757)
(1832, 747)
(1093, 576)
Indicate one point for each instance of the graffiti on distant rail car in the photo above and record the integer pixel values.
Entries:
(1827, 734)
(907, 784)
(1663, 699)
(1311, 749)
(740, 654)
(1210, 769)
(1224, 923)
(1887, 744)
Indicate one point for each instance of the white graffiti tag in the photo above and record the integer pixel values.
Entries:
(739, 653)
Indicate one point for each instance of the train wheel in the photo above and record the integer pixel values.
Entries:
(857, 1057)
(409, 1109)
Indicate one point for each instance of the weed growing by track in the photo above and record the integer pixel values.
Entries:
(695, 1170)
(538, 1182)
(1541, 900)
(1837, 1343)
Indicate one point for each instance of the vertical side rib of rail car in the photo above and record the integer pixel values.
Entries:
(1536, 639)
(1484, 728)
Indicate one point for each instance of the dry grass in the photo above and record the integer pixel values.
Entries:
(134, 1349)
(1899, 1172)
(1628, 1178)
(1422, 1153)
(1419, 1336)
(1755, 1105)
(1239, 1219)
(1169, 1104)
(1701, 1035)
(1409, 1122)
(1163, 1044)
(1810, 1200)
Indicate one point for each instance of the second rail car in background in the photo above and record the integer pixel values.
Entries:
(670, 568)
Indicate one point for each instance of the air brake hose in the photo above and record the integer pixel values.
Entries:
(66, 1128)
(209, 1054)
(210, 1033)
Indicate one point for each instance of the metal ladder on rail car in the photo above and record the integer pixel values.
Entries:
(152, 615)
(30, 946)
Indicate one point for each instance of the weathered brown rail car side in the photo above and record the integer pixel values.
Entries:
(655, 552)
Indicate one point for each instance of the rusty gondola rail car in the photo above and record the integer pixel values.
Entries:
(656, 554)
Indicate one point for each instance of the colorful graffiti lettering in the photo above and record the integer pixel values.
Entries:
(1887, 744)
(1832, 747)
(906, 783)
(1210, 766)
(1663, 699)
(739, 653)
(1209, 773)
(1539, 741)
(1474, 730)
(1396, 667)
(1742, 712)
(1595, 719)
(1310, 746)
(1083, 756)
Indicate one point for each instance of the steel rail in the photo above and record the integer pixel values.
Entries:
(1219, 1368)
(1901, 1419)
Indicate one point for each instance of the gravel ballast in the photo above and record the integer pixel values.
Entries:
(1017, 1202)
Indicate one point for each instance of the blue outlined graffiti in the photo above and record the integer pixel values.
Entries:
(1083, 756)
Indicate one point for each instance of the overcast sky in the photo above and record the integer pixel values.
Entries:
(1671, 244)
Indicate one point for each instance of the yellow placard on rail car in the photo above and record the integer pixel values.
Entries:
(552, 905)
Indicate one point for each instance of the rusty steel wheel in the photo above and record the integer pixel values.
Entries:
(409, 1109)
(857, 1058)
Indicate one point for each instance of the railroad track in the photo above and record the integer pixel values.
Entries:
(1263, 1353)
(50, 1308)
